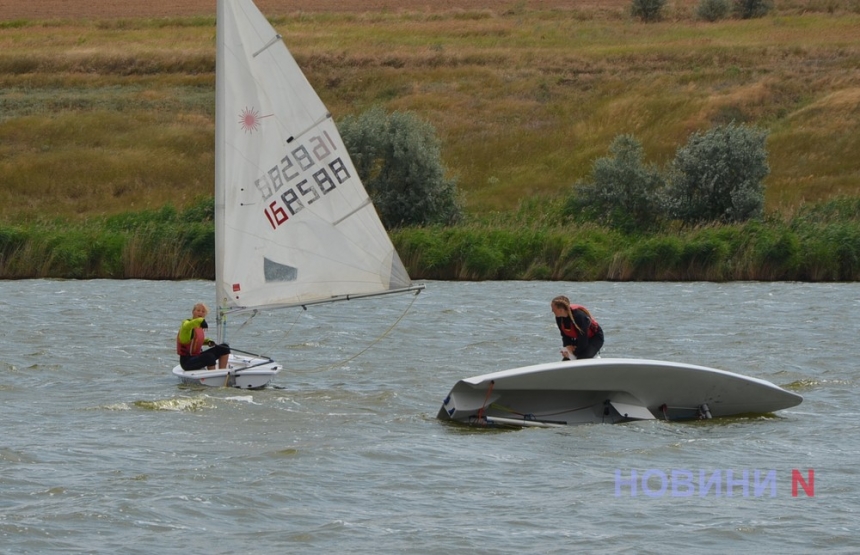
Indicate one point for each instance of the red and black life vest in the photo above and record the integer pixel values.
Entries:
(572, 331)
(194, 347)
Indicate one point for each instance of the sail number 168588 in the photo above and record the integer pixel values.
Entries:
(325, 180)
(298, 192)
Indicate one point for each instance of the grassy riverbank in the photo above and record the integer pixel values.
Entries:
(820, 243)
(102, 118)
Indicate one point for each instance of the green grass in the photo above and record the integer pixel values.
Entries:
(819, 243)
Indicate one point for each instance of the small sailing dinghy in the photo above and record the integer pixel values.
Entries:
(609, 390)
(294, 225)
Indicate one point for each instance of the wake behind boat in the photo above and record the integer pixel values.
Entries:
(609, 390)
(294, 225)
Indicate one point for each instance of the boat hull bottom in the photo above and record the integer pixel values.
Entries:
(608, 391)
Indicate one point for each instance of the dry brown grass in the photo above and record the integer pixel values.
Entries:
(523, 100)
(110, 9)
(97, 9)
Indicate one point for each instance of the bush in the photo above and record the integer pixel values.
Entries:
(623, 193)
(717, 176)
(647, 10)
(713, 10)
(750, 9)
(398, 158)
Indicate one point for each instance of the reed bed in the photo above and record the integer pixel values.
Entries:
(819, 243)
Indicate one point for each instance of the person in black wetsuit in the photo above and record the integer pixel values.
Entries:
(581, 335)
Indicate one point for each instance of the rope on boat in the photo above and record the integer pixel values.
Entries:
(361, 352)
(532, 416)
(483, 408)
(246, 322)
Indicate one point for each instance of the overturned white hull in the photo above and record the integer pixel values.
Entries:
(609, 390)
(241, 372)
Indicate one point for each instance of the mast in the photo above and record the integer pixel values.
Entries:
(220, 160)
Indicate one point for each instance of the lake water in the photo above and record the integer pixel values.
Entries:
(104, 452)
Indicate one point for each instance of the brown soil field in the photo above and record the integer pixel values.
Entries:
(109, 9)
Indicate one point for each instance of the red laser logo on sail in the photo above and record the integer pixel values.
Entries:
(249, 119)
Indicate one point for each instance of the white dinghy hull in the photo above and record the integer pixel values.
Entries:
(242, 372)
(609, 390)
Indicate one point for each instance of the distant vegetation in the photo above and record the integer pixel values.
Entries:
(152, 244)
(399, 160)
(106, 136)
(819, 243)
(717, 177)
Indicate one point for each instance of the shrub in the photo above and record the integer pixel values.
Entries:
(750, 9)
(623, 192)
(399, 159)
(647, 10)
(713, 10)
(717, 176)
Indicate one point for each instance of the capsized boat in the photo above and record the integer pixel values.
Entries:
(609, 390)
(294, 225)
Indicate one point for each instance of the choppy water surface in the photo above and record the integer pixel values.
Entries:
(103, 452)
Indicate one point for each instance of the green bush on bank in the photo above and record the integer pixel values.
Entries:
(749, 9)
(623, 191)
(713, 10)
(716, 177)
(399, 159)
(647, 10)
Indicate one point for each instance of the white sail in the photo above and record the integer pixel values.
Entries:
(293, 222)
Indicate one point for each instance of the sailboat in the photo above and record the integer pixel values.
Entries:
(609, 390)
(294, 225)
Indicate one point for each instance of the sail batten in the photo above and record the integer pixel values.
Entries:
(274, 40)
(294, 223)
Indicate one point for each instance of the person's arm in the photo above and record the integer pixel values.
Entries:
(582, 323)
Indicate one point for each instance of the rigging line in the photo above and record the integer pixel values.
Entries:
(246, 322)
(483, 409)
(542, 415)
(361, 352)
(275, 342)
(289, 330)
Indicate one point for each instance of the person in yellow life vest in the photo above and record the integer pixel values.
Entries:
(190, 341)
(581, 335)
